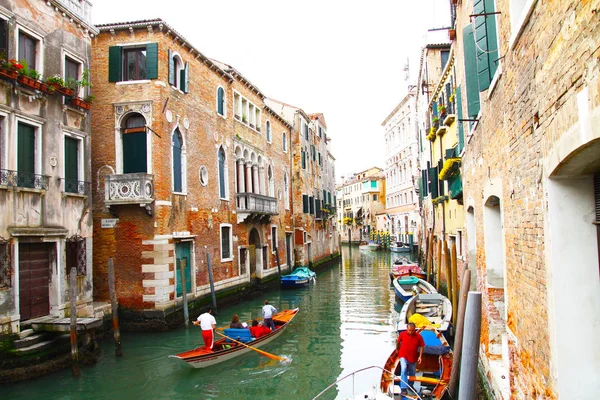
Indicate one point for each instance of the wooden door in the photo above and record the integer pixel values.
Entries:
(182, 257)
(34, 275)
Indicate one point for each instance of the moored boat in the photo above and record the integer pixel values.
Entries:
(224, 350)
(433, 373)
(371, 246)
(427, 310)
(406, 287)
(299, 277)
(403, 267)
(399, 249)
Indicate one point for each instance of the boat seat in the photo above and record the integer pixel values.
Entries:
(240, 334)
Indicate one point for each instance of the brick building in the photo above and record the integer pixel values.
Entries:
(190, 162)
(46, 226)
(528, 76)
(313, 185)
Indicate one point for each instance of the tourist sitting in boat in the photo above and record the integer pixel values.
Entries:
(235, 322)
(257, 330)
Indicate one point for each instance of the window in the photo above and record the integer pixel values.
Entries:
(305, 130)
(178, 72)
(320, 132)
(28, 157)
(28, 49)
(222, 174)
(76, 255)
(246, 111)
(221, 101)
(284, 142)
(226, 242)
(520, 10)
(305, 208)
(133, 63)
(271, 181)
(268, 131)
(4, 37)
(374, 197)
(72, 70)
(134, 144)
(373, 184)
(177, 143)
(303, 159)
(274, 238)
(286, 191)
(73, 165)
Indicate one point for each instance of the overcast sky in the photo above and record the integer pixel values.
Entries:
(344, 59)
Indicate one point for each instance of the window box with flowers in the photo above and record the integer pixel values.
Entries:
(29, 77)
(86, 103)
(451, 166)
(9, 70)
(431, 135)
(347, 221)
(60, 86)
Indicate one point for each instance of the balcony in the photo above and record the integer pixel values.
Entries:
(252, 207)
(23, 180)
(123, 189)
(72, 186)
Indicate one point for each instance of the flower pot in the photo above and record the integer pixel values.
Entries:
(48, 89)
(77, 102)
(29, 82)
(452, 34)
(65, 91)
(9, 74)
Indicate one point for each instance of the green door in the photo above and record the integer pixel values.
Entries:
(183, 258)
(25, 155)
(134, 152)
(71, 170)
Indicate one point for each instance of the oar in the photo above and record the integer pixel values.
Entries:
(264, 353)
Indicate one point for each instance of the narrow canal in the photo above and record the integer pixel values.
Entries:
(345, 323)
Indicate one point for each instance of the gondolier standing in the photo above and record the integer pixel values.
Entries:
(268, 311)
(207, 322)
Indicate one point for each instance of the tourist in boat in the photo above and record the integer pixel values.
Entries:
(410, 347)
(208, 323)
(268, 311)
(235, 322)
(257, 330)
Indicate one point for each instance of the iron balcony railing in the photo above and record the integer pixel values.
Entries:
(129, 188)
(77, 187)
(23, 179)
(252, 202)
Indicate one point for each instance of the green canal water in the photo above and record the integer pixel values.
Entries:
(345, 323)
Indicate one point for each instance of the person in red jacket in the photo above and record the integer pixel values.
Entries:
(257, 330)
(410, 347)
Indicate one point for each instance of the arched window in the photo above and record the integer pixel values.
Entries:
(222, 174)
(284, 140)
(221, 101)
(178, 72)
(268, 130)
(286, 190)
(134, 144)
(271, 182)
(177, 164)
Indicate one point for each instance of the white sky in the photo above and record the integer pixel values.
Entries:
(344, 59)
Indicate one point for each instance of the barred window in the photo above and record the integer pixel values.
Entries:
(76, 255)
(5, 270)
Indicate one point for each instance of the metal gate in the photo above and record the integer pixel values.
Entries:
(34, 274)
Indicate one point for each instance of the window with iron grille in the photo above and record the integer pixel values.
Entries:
(76, 255)
(5, 270)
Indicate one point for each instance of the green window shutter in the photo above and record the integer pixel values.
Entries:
(311, 205)
(186, 78)
(71, 170)
(26, 149)
(324, 194)
(486, 42)
(433, 182)
(441, 183)
(115, 63)
(171, 68)
(152, 61)
(303, 160)
(305, 204)
(434, 108)
(471, 72)
(461, 131)
(134, 152)
(4, 36)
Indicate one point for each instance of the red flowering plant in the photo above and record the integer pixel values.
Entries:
(13, 65)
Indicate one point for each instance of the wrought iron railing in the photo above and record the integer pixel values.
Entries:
(252, 202)
(77, 187)
(129, 188)
(23, 179)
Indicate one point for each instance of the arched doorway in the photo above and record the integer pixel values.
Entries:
(254, 243)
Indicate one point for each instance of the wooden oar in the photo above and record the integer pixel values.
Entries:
(264, 353)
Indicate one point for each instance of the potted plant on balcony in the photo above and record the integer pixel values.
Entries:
(59, 84)
(442, 109)
(435, 121)
(82, 83)
(29, 77)
(9, 69)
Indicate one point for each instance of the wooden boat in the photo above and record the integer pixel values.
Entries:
(434, 307)
(371, 246)
(403, 267)
(299, 277)
(224, 350)
(409, 286)
(399, 249)
(433, 374)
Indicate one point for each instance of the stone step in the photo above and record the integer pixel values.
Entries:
(29, 340)
(25, 332)
(35, 348)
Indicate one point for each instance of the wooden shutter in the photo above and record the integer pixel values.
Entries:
(115, 63)
(311, 205)
(26, 149)
(4, 37)
(433, 182)
(134, 152)
(486, 42)
(186, 80)
(152, 61)
(71, 167)
(305, 203)
(434, 111)
(220, 93)
(303, 159)
(171, 68)
(177, 179)
(461, 131)
(471, 72)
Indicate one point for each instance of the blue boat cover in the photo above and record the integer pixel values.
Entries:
(433, 345)
(299, 273)
(408, 280)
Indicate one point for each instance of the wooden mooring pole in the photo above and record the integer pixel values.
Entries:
(458, 333)
(454, 280)
(430, 251)
(470, 348)
(186, 314)
(438, 270)
(212, 282)
(448, 264)
(115, 307)
(277, 259)
(73, 298)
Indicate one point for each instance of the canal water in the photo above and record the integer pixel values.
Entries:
(345, 323)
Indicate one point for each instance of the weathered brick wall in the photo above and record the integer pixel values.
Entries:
(521, 119)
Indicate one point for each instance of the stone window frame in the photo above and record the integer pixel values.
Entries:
(268, 132)
(224, 115)
(230, 227)
(184, 185)
(519, 22)
(82, 66)
(39, 49)
(225, 174)
(80, 138)
(38, 129)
